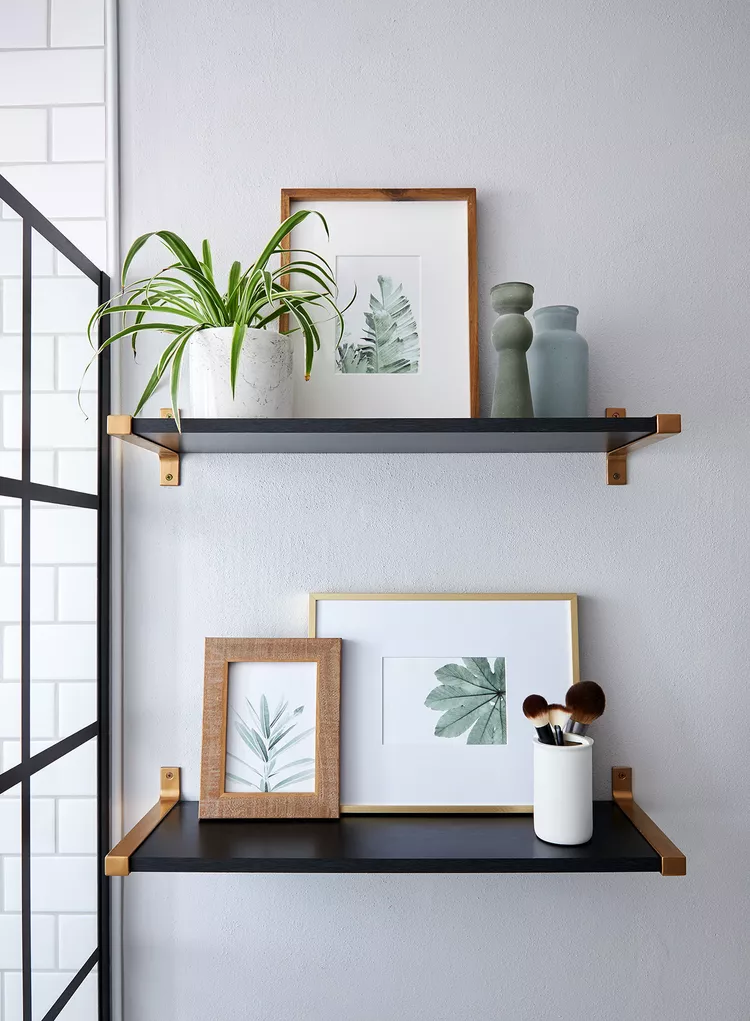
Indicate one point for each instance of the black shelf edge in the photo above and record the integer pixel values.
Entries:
(395, 435)
(388, 843)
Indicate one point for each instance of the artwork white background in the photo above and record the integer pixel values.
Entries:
(437, 232)
(296, 682)
(363, 271)
(407, 681)
(535, 637)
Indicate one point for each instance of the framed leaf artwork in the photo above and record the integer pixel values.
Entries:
(404, 261)
(432, 688)
(270, 728)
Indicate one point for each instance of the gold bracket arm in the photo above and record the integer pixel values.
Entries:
(117, 862)
(169, 460)
(617, 459)
(673, 861)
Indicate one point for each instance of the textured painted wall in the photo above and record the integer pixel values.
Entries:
(609, 146)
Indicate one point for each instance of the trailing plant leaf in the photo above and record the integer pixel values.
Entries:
(262, 733)
(187, 291)
(389, 342)
(471, 696)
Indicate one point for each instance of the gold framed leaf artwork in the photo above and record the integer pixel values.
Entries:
(432, 693)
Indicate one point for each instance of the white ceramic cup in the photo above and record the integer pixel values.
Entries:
(563, 791)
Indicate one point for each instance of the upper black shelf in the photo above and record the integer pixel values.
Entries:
(395, 435)
(388, 843)
(616, 435)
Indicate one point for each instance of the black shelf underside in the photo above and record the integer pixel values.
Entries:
(395, 435)
(388, 843)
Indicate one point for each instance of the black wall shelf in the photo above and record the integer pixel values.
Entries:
(614, 436)
(388, 843)
(171, 838)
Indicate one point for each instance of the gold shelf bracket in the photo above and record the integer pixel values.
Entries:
(169, 460)
(617, 459)
(117, 862)
(673, 861)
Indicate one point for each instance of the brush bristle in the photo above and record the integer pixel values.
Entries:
(586, 702)
(535, 709)
(558, 715)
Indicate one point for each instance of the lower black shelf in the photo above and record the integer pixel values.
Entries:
(388, 843)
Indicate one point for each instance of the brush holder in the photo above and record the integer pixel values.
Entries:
(563, 791)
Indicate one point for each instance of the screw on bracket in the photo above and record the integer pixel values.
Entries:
(615, 475)
(170, 477)
(620, 776)
(169, 775)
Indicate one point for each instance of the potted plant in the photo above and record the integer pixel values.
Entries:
(240, 366)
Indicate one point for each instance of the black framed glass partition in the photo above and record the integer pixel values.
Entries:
(54, 626)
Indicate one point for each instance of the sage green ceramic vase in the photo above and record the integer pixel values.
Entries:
(558, 363)
(511, 336)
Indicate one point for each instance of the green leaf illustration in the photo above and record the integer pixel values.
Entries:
(471, 696)
(389, 342)
(263, 735)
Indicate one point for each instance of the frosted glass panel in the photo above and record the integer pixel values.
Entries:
(11, 248)
(63, 436)
(63, 873)
(64, 635)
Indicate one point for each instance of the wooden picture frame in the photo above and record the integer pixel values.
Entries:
(314, 196)
(392, 758)
(259, 783)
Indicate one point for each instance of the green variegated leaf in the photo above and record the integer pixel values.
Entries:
(471, 696)
(186, 292)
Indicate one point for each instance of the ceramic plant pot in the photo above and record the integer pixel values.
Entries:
(264, 375)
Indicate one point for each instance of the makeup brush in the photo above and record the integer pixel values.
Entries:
(586, 703)
(558, 718)
(535, 709)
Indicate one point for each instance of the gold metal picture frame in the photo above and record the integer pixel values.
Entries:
(570, 598)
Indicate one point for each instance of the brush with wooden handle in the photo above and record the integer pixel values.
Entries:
(535, 709)
(558, 718)
(586, 703)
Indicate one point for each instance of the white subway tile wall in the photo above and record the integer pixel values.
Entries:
(52, 149)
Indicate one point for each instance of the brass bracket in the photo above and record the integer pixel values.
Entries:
(617, 459)
(673, 861)
(169, 460)
(117, 862)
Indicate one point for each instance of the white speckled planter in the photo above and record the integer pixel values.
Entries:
(264, 375)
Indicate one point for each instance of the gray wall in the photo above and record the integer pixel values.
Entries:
(609, 146)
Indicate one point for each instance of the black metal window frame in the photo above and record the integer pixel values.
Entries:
(28, 492)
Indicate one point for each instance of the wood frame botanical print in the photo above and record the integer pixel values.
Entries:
(432, 688)
(271, 728)
(405, 262)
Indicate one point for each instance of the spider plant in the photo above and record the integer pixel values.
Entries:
(184, 298)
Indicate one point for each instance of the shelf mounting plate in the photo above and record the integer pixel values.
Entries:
(117, 862)
(169, 460)
(673, 861)
(617, 459)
